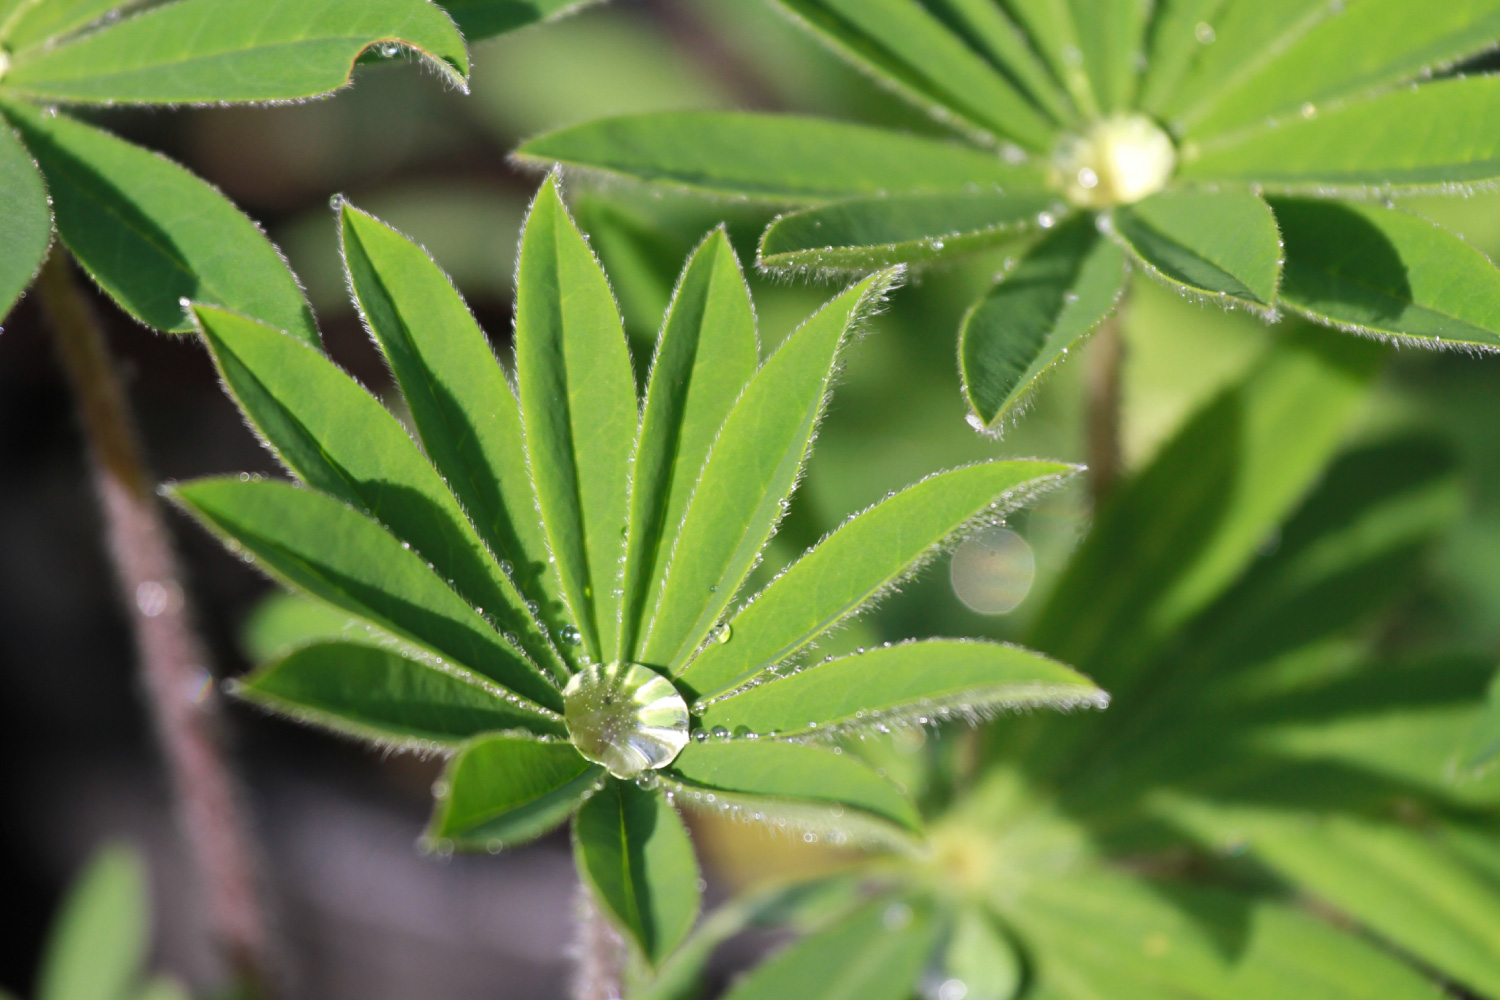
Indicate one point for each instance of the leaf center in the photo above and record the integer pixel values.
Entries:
(1119, 160)
(626, 717)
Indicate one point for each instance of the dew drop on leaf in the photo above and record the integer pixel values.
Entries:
(722, 634)
(626, 717)
(570, 635)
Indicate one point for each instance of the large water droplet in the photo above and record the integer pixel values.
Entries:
(1118, 161)
(626, 717)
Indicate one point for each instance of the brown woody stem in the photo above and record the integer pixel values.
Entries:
(183, 701)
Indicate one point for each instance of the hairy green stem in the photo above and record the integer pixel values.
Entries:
(598, 954)
(1106, 364)
(183, 701)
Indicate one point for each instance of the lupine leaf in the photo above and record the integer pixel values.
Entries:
(201, 51)
(480, 19)
(778, 158)
(1062, 289)
(705, 356)
(910, 683)
(28, 22)
(1099, 933)
(1482, 746)
(1374, 43)
(980, 955)
(793, 786)
(906, 44)
(151, 234)
(1174, 537)
(461, 403)
(25, 219)
(751, 469)
(993, 32)
(99, 939)
(1394, 880)
(855, 564)
(1385, 271)
(878, 231)
(1430, 137)
(580, 410)
(1054, 34)
(1243, 35)
(1221, 244)
(1179, 29)
(875, 953)
(1111, 41)
(378, 694)
(338, 439)
(634, 853)
(502, 791)
(336, 554)
(282, 620)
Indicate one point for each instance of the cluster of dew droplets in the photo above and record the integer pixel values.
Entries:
(626, 717)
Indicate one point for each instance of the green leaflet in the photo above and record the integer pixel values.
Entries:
(1174, 40)
(980, 955)
(464, 409)
(151, 234)
(1100, 933)
(988, 28)
(502, 791)
(1053, 34)
(855, 564)
(1382, 270)
(338, 438)
(201, 51)
(579, 406)
(705, 356)
(1220, 244)
(751, 469)
(1111, 42)
(1372, 44)
(903, 42)
(1178, 533)
(1430, 137)
(875, 953)
(318, 544)
(98, 941)
(777, 158)
(634, 854)
(1482, 745)
(879, 231)
(377, 694)
(30, 22)
(25, 219)
(480, 19)
(793, 786)
(910, 683)
(1064, 287)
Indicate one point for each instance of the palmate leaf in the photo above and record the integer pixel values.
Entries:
(338, 439)
(480, 19)
(339, 555)
(861, 234)
(579, 406)
(750, 472)
(97, 945)
(992, 32)
(1173, 41)
(378, 695)
(901, 685)
(505, 790)
(1218, 244)
(706, 354)
(25, 219)
(912, 49)
(1111, 44)
(875, 953)
(1058, 293)
(776, 158)
(151, 234)
(1428, 138)
(1054, 34)
(866, 556)
(634, 852)
(464, 409)
(1384, 271)
(209, 51)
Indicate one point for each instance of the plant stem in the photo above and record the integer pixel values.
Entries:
(1106, 362)
(183, 701)
(598, 954)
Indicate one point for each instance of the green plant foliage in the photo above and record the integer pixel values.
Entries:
(150, 233)
(568, 670)
(97, 947)
(1270, 807)
(1187, 133)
